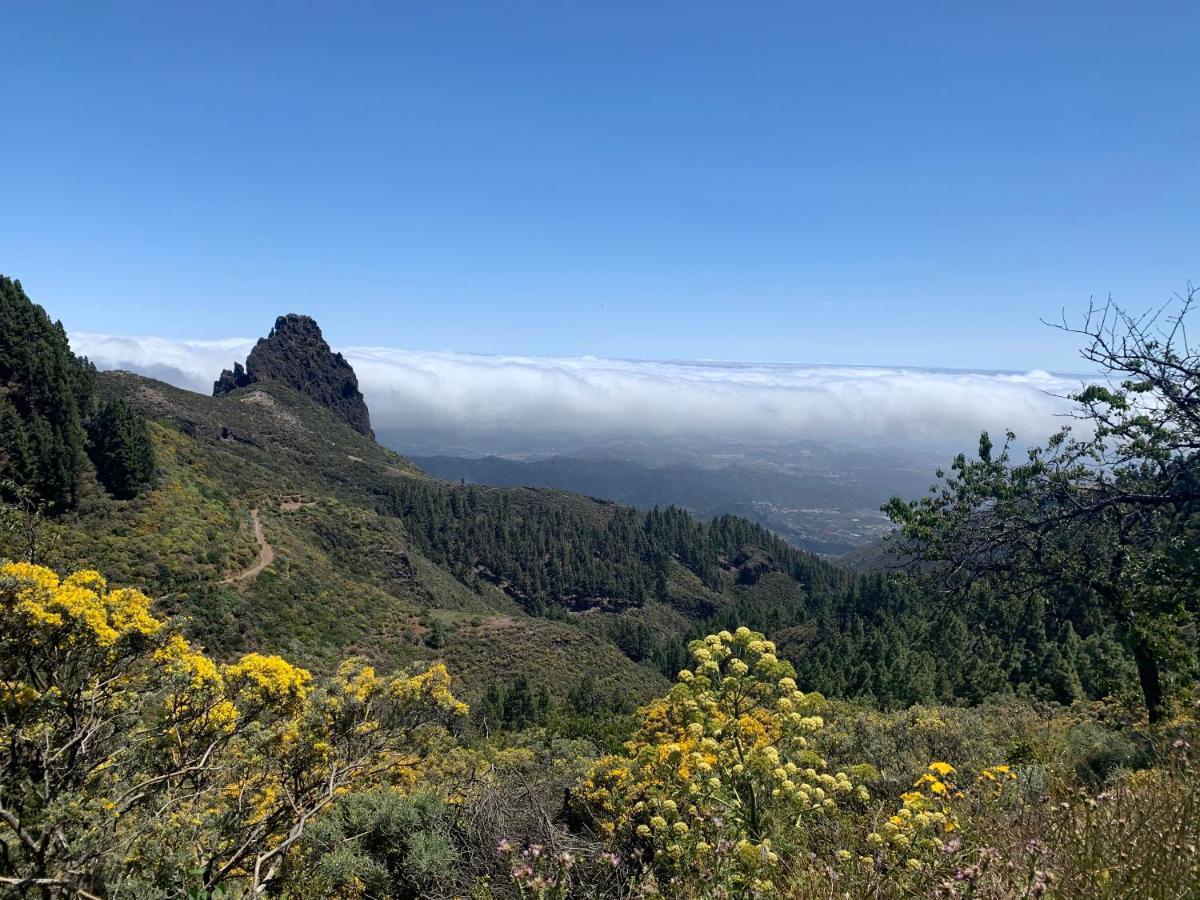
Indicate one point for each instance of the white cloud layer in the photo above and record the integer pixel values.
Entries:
(591, 397)
(193, 365)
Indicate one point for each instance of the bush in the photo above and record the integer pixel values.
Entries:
(723, 775)
(1096, 752)
(134, 764)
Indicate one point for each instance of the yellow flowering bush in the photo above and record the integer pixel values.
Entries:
(270, 681)
(723, 774)
(914, 832)
(42, 610)
(128, 756)
(916, 835)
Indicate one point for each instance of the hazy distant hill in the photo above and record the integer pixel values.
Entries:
(819, 498)
(878, 556)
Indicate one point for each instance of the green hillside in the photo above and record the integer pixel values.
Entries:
(372, 557)
(346, 575)
(828, 731)
(271, 522)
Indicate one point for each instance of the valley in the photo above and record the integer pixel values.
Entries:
(599, 451)
(798, 492)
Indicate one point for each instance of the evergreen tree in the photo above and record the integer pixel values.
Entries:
(520, 709)
(120, 449)
(491, 707)
(437, 638)
(45, 394)
(1101, 526)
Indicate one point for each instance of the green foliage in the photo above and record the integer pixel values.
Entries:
(1098, 751)
(550, 550)
(380, 843)
(130, 758)
(724, 774)
(515, 706)
(712, 798)
(579, 585)
(1100, 529)
(120, 449)
(188, 778)
(45, 396)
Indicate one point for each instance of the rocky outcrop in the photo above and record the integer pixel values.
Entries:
(295, 354)
(230, 381)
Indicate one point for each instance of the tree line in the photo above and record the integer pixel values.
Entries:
(52, 424)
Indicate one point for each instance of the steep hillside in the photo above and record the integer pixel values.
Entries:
(275, 521)
(367, 554)
(344, 576)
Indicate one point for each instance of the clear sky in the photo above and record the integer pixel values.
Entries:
(882, 183)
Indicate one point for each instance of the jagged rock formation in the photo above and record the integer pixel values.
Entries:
(230, 381)
(295, 354)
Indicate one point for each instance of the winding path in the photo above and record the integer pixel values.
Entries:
(266, 553)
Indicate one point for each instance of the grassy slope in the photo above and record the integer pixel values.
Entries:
(345, 579)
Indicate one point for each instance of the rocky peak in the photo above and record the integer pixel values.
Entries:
(295, 354)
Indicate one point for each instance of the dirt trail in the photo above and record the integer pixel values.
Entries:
(266, 553)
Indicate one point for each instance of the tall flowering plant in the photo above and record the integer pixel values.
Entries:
(722, 775)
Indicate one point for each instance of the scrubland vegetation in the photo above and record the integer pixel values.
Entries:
(137, 766)
(440, 690)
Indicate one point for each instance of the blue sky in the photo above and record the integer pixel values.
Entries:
(902, 184)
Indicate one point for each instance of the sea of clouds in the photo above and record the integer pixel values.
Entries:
(593, 397)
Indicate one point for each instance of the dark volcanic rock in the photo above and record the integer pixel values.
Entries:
(230, 381)
(295, 354)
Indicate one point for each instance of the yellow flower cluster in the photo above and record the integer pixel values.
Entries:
(181, 659)
(40, 609)
(993, 779)
(16, 694)
(721, 765)
(270, 680)
(924, 815)
(197, 704)
(432, 684)
(357, 681)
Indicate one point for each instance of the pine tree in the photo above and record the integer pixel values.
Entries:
(437, 638)
(120, 449)
(45, 394)
(519, 707)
